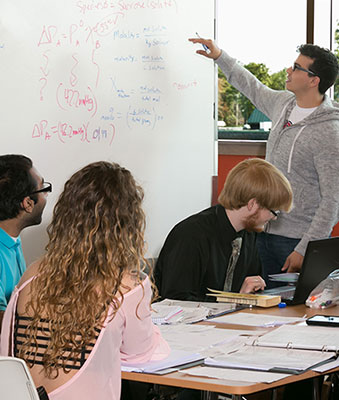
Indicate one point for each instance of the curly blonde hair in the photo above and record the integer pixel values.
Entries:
(96, 235)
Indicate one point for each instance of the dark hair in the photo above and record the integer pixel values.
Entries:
(325, 64)
(16, 182)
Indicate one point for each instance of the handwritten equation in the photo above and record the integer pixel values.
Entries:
(66, 132)
(105, 71)
(69, 98)
(85, 7)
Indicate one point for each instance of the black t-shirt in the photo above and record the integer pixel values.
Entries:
(196, 253)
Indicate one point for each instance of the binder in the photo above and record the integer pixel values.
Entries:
(177, 359)
(301, 337)
(287, 349)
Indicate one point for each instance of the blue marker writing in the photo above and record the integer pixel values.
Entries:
(203, 45)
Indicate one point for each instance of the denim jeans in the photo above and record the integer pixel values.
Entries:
(273, 251)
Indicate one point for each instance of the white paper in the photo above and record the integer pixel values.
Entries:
(200, 338)
(302, 337)
(260, 320)
(164, 315)
(327, 366)
(266, 359)
(187, 312)
(234, 375)
(189, 343)
(176, 358)
(214, 308)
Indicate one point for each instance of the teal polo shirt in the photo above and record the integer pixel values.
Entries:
(12, 266)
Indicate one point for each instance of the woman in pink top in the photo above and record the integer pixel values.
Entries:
(85, 306)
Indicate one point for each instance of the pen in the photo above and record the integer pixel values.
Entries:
(173, 315)
(203, 45)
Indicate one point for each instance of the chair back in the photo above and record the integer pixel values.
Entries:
(15, 380)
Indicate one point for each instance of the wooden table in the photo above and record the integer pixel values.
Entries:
(236, 389)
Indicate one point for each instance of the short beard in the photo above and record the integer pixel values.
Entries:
(251, 223)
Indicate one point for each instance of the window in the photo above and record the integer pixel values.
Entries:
(327, 34)
(264, 37)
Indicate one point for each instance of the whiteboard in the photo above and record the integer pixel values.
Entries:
(117, 80)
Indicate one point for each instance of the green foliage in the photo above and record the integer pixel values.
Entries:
(229, 108)
(234, 108)
(261, 72)
(278, 80)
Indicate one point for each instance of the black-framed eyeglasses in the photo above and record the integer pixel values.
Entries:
(275, 213)
(46, 188)
(297, 66)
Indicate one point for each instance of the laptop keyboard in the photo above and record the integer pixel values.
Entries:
(285, 292)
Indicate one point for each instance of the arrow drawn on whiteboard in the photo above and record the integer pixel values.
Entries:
(44, 69)
(97, 66)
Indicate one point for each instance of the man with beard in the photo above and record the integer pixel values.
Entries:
(23, 195)
(216, 248)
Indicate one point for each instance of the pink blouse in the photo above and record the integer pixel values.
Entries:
(126, 338)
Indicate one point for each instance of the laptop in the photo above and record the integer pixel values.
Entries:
(321, 258)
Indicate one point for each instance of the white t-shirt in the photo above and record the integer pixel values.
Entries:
(299, 113)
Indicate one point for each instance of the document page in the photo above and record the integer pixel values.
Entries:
(234, 375)
(249, 319)
(213, 308)
(204, 339)
(188, 312)
(191, 343)
(302, 337)
(166, 315)
(175, 359)
(269, 359)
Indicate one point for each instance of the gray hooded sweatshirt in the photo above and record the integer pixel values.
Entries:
(307, 153)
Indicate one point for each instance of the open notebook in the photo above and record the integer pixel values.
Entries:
(289, 349)
(321, 258)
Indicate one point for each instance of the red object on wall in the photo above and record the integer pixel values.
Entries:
(335, 231)
(227, 162)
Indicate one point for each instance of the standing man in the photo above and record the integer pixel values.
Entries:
(23, 195)
(216, 248)
(303, 144)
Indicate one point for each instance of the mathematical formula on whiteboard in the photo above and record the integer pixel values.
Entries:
(117, 80)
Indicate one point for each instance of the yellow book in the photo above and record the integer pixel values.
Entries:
(259, 300)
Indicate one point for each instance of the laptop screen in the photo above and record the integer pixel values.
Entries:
(321, 258)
